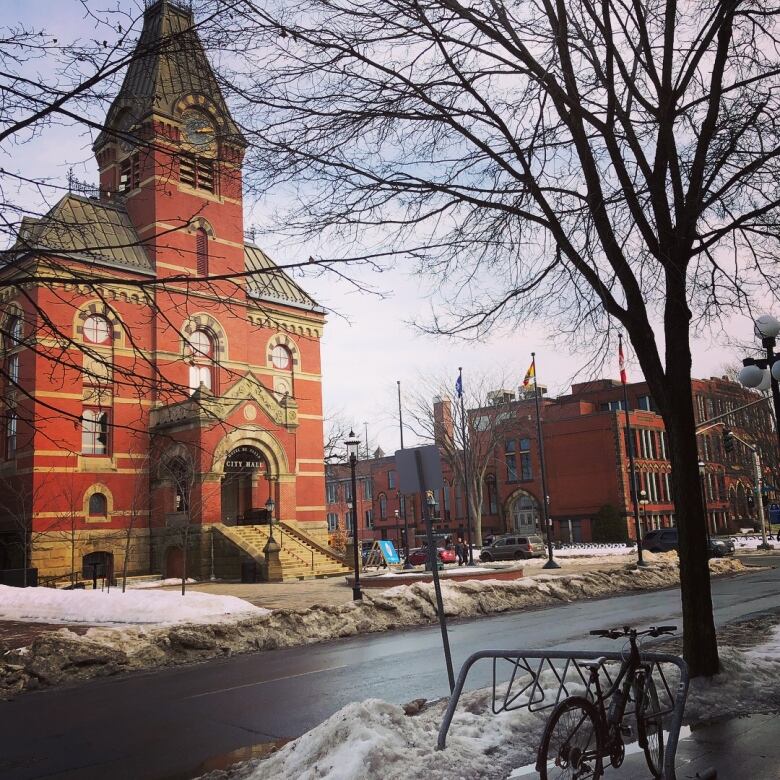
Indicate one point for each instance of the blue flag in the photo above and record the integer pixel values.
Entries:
(459, 385)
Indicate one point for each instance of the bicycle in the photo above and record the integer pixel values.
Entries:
(580, 732)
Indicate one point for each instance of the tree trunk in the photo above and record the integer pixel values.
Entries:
(700, 647)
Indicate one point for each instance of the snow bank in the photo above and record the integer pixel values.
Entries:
(101, 651)
(376, 739)
(50, 605)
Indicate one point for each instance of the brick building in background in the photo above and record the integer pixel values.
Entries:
(166, 415)
(586, 452)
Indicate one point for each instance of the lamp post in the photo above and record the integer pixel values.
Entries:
(643, 502)
(764, 373)
(269, 508)
(702, 472)
(433, 551)
(353, 446)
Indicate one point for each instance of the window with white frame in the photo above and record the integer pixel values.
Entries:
(383, 507)
(369, 518)
(94, 432)
(333, 521)
(391, 480)
(331, 492)
(202, 360)
(10, 434)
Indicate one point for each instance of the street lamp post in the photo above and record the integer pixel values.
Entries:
(269, 508)
(702, 471)
(353, 446)
(643, 502)
(764, 373)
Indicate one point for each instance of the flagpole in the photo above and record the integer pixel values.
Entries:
(465, 467)
(630, 447)
(551, 564)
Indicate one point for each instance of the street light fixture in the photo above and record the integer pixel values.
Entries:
(269, 508)
(353, 448)
(764, 373)
(643, 502)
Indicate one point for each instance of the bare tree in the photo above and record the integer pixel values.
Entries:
(336, 432)
(435, 416)
(586, 164)
(18, 499)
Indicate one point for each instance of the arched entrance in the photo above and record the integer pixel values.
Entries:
(97, 565)
(523, 512)
(244, 486)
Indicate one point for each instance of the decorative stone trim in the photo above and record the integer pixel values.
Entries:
(98, 487)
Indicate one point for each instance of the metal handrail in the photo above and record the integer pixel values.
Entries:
(535, 672)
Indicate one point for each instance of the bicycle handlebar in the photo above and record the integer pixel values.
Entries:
(617, 633)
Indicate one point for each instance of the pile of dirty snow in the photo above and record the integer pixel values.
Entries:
(104, 650)
(95, 607)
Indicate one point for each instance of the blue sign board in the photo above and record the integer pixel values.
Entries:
(389, 552)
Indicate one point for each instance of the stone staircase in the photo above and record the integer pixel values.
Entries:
(301, 558)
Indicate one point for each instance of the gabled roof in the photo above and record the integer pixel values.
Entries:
(84, 229)
(270, 283)
(172, 65)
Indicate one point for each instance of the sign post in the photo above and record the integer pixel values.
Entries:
(419, 470)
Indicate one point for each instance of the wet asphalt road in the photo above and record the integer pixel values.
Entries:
(164, 725)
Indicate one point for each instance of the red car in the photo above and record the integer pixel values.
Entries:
(419, 556)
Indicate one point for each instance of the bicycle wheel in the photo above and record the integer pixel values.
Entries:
(649, 724)
(571, 743)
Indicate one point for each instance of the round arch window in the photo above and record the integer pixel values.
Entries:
(280, 357)
(96, 329)
(201, 343)
(98, 505)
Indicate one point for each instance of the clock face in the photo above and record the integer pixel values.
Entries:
(198, 130)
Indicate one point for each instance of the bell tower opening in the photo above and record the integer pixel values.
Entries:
(245, 487)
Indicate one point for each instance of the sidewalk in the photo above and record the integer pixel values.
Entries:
(746, 747)
(334, 590)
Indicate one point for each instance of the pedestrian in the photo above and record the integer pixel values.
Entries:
(460, 551)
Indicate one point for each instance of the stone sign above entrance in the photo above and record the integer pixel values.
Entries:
(245, 458)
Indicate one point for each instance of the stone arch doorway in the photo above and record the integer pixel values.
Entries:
(523, 513)
(174, 563)
(245, 486)
(97, 565)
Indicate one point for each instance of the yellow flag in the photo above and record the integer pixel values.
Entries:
(530, 374)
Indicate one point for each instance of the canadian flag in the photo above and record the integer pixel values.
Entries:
(622, 361)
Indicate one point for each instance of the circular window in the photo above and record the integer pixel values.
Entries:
(96, 329)
(280, 357)
(200, 341)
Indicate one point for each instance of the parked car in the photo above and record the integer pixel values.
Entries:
(419, 556)
(509, 547)
(665, 539)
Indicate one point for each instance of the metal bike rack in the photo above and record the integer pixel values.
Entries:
(535, 674)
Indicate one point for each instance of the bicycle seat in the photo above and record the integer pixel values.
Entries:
(596, 663)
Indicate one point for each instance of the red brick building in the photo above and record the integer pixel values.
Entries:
(586, 452)
(146, 417)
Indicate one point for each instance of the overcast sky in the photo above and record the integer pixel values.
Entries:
(369, 343)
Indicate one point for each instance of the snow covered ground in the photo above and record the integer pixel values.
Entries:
(375, 739)
(104, 607)
(752, 542)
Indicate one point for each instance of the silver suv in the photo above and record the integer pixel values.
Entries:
(509, 547)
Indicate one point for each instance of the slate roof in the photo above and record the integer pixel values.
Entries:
(84, 229)
(271, 283)
(174, 66)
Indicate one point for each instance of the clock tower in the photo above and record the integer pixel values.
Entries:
(172, 153)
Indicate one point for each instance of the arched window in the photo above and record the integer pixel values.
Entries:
(281, 358)
(383, 506)
(202, 363)
(96, 329)
(98, 505)
(15, 331)
(202, 251)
